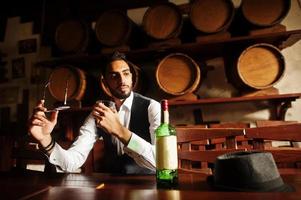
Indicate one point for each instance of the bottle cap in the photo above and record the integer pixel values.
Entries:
(164, 104)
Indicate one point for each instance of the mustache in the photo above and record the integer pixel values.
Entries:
(122, 85)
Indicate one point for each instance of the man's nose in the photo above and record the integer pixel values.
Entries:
(122, 78)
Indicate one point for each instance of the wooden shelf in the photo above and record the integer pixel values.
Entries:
(279, 104)
(220, 47)
(280, 97)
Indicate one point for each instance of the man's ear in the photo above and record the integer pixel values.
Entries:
(104, 86)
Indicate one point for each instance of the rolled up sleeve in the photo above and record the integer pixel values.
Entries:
(140, 150)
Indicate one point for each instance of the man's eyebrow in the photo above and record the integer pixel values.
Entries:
(118, 71)
(114, 72)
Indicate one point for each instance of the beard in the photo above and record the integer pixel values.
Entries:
(120, 94)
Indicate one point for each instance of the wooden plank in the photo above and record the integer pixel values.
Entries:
(194, 134)
(290, 132)
(205, 156)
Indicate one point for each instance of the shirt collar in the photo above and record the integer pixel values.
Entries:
(128, 101)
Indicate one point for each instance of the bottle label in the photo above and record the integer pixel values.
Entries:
(166, 152)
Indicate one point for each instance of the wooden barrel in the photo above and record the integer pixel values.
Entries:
(72, 36)
(265, 13)
(137, 76)
(259, 66)
(65, 75)
(211, 16)
(113, 28)
(162, 21)
(178, 74)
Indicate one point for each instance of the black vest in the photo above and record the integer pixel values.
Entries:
(139, 124)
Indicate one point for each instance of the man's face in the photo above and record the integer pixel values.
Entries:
(119, 79)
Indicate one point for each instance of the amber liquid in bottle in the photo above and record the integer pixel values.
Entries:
(166, 151)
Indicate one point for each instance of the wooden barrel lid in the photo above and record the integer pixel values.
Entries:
(178, 74)
(113, 28)
(76, 83)
(261, 66)
(72, 36)
(210, 16)
(265, 13)
(162, 21)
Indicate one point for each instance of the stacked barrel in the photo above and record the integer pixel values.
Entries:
(253, 66)
(256, 67)
(72, 36)
(164, 21)
(211, 18)
(258, 17)
(177, 74)
(73, 84)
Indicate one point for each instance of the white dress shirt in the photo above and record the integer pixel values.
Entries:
(140, 150)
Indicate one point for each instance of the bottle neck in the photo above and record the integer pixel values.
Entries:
(165, 113)
(165, 118)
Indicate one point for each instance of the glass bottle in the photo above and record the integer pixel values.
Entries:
(166, 151)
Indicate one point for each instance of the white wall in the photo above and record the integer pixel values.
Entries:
(291, 82)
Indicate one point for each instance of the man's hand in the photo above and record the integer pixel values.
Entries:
(39, 126)
(108, 120)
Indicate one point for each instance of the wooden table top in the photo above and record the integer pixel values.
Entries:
(36, 185)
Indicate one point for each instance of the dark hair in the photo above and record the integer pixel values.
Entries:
(118, 56)
(115, 56)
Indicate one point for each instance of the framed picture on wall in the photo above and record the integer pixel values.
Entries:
(18, 68)
(27, 46)
(10, 94)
